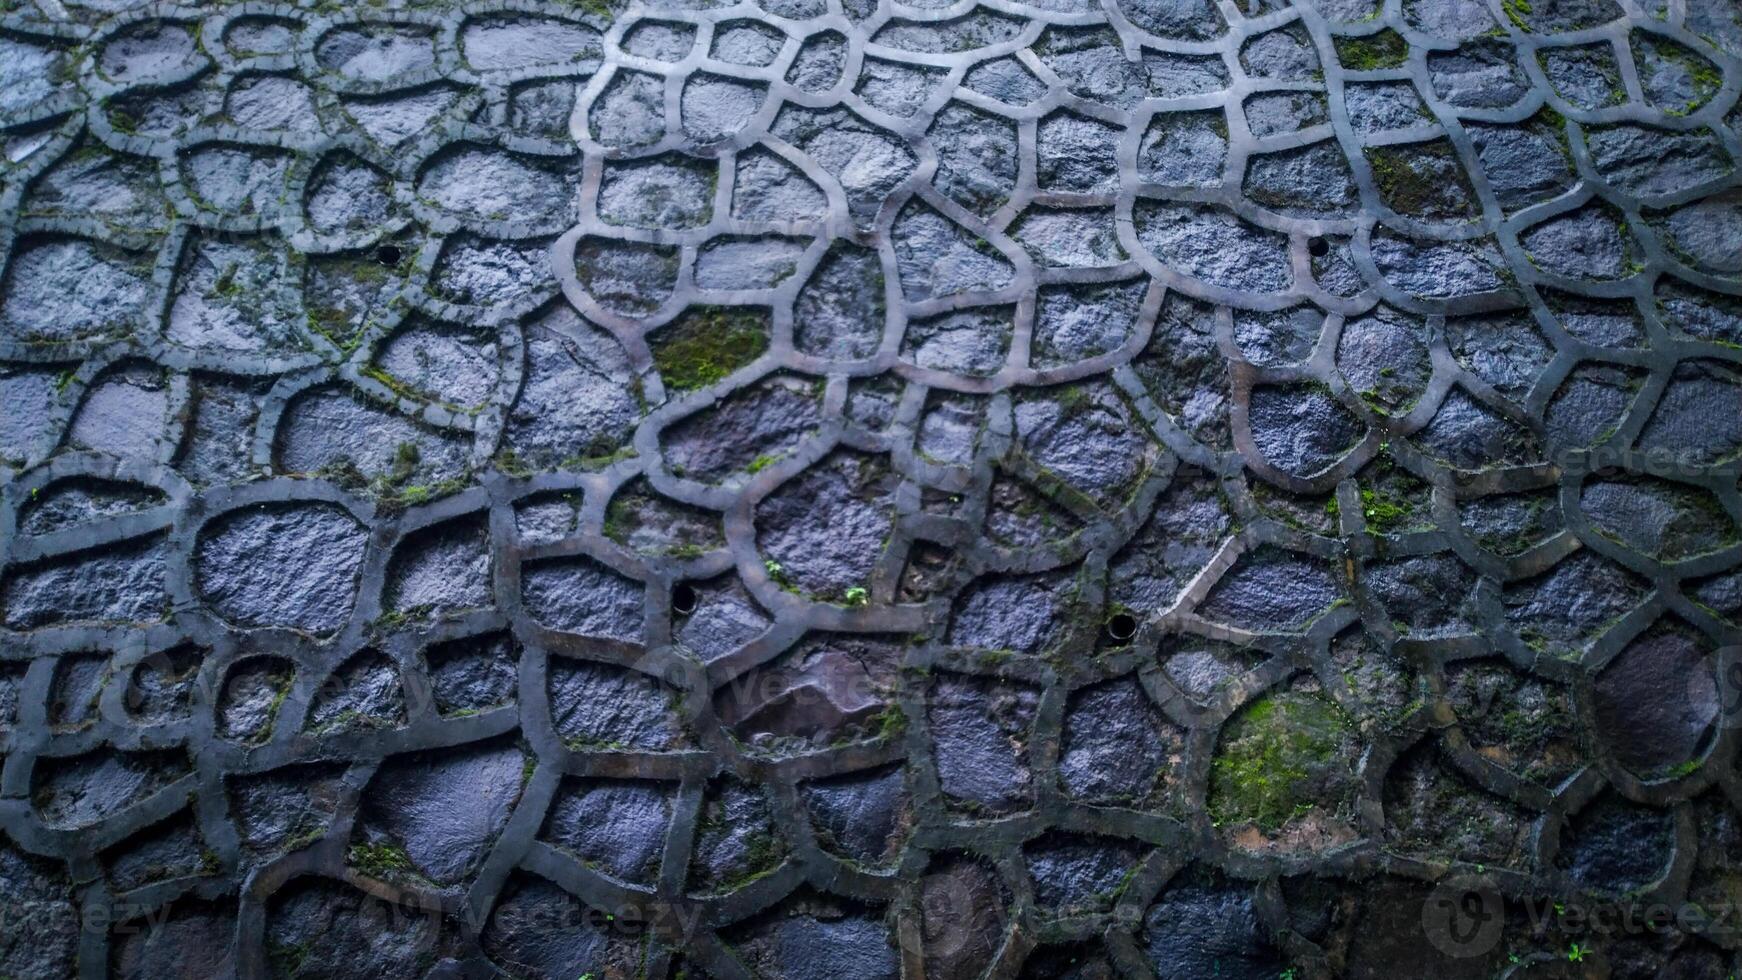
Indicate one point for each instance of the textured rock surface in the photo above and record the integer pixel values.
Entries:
(795, 489)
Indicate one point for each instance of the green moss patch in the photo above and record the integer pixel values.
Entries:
(1279, 758)
(708, 343)
(1374, 52)
(1422, 180)
(379, 860)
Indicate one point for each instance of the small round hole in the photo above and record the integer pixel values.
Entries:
(1318, 248)
(388, 255)
(683, 599)
(1122, 627)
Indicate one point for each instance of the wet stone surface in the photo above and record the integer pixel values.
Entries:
(797, 489)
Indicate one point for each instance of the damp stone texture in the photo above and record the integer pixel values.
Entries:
(864, 489)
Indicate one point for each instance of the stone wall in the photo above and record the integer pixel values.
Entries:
(850, 489)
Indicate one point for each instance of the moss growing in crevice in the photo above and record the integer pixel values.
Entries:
(1374, 52)
(1422, 180)
(1518, 12)
(1392, 499)
(707, 344)
(1384, 513)
(1278, 759)
(379, 860)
